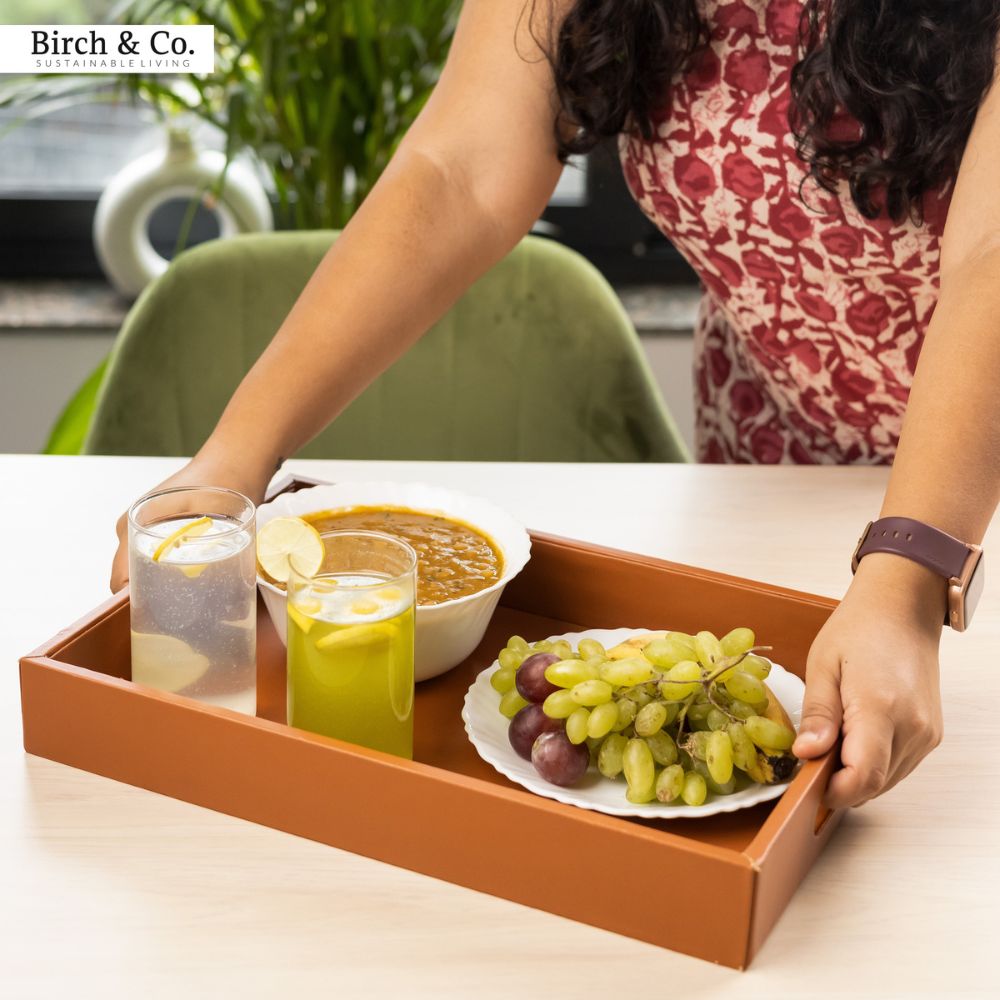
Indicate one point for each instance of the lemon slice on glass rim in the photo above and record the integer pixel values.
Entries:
(286, 542)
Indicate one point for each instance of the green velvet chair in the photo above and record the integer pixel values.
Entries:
(536, 362)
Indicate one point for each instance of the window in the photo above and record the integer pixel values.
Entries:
(53, 168)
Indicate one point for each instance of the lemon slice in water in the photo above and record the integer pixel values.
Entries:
(190, 530)
(288, 541)
(166, 662)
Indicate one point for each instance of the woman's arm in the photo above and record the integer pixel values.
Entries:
(468, 181)
(873, 669)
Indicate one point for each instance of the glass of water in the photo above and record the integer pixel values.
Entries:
(193, 595)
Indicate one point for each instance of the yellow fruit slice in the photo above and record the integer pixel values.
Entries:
(190, 530)
(301, 613)
(165, 662)
(358, 635)
(288, 541)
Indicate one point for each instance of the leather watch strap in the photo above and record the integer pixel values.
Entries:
(903, 536)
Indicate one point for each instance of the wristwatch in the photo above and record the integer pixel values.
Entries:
(960, 563)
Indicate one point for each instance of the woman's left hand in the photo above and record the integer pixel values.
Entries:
(872, 673)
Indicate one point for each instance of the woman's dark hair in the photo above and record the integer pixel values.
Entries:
(911, 73)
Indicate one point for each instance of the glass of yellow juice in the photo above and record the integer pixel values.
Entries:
(350, 642)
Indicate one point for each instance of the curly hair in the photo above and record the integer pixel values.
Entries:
(910, 73)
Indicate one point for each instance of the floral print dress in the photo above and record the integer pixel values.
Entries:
(813, 316)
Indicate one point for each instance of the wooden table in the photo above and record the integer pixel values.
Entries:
(111, 890)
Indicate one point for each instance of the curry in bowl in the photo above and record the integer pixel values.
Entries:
(454, 559)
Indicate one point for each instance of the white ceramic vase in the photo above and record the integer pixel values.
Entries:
(121, 222)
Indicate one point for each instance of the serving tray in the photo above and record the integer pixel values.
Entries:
(710, 887)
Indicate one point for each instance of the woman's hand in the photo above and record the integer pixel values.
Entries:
(203, 470)
(872, 673)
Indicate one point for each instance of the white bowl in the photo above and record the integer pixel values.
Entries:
(448, 632)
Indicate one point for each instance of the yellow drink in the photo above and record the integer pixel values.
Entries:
(350, 660)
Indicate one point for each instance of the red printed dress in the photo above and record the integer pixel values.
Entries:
(813, 316)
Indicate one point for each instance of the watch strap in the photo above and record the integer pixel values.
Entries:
(903, 536)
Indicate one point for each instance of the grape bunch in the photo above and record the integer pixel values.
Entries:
(678, 715)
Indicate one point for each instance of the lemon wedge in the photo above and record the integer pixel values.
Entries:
(190, 530)
(166, 662)
(288, 541)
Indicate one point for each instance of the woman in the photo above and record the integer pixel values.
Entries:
(808, 183)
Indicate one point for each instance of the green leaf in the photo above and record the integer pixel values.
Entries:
(70, 429)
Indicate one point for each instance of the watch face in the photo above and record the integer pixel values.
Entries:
(975, 589)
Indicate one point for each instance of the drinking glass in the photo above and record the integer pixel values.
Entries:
(350, 642)
(193, 595)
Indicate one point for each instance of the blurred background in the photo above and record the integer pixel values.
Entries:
(63, 139)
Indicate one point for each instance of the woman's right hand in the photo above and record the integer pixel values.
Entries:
(202, 470)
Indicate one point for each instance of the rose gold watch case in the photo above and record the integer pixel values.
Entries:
(963, 591)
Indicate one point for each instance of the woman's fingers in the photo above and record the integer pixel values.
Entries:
(821, 710)
(119, 565)
(866, 760)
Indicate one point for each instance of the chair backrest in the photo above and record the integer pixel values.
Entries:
(536, 362)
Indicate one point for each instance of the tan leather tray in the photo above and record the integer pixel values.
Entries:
(713, 888)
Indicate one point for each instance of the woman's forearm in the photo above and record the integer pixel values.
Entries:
(947, 467)
(415, 245)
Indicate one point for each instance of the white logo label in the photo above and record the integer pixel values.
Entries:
(107, 48)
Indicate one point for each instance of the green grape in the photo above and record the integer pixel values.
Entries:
(576, 725)
(719, 756)
(755, 666)
(666, 652)
(502, 680)
(627, 673)
(559, 705)
(663, 748)
(627, 711)
(569, 673)
(639, 796)
(672, 709)
(590, 693)
(602, 720)
(716, 719)
(510, 659)
(650, 719)
(637, 763)
(707, 648)
(715, 787)
(741, 709)
(698, 712)
(590, 649)
(769, 734)
(609, 757)
(744, 752)
(697, 745)
(563, 650)
(682, 637)
(746, 688)
(738, 641)
(542, 646)
(695, 791)
(518, 644)
(674, 688)
(670, 783)
(639, 695)
(511, 703)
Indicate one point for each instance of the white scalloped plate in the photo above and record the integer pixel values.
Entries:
(487, 730)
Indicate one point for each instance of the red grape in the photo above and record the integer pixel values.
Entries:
(530, 680)
(527, 726)
(559, 761)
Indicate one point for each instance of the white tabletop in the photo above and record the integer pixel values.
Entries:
(113, 891)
